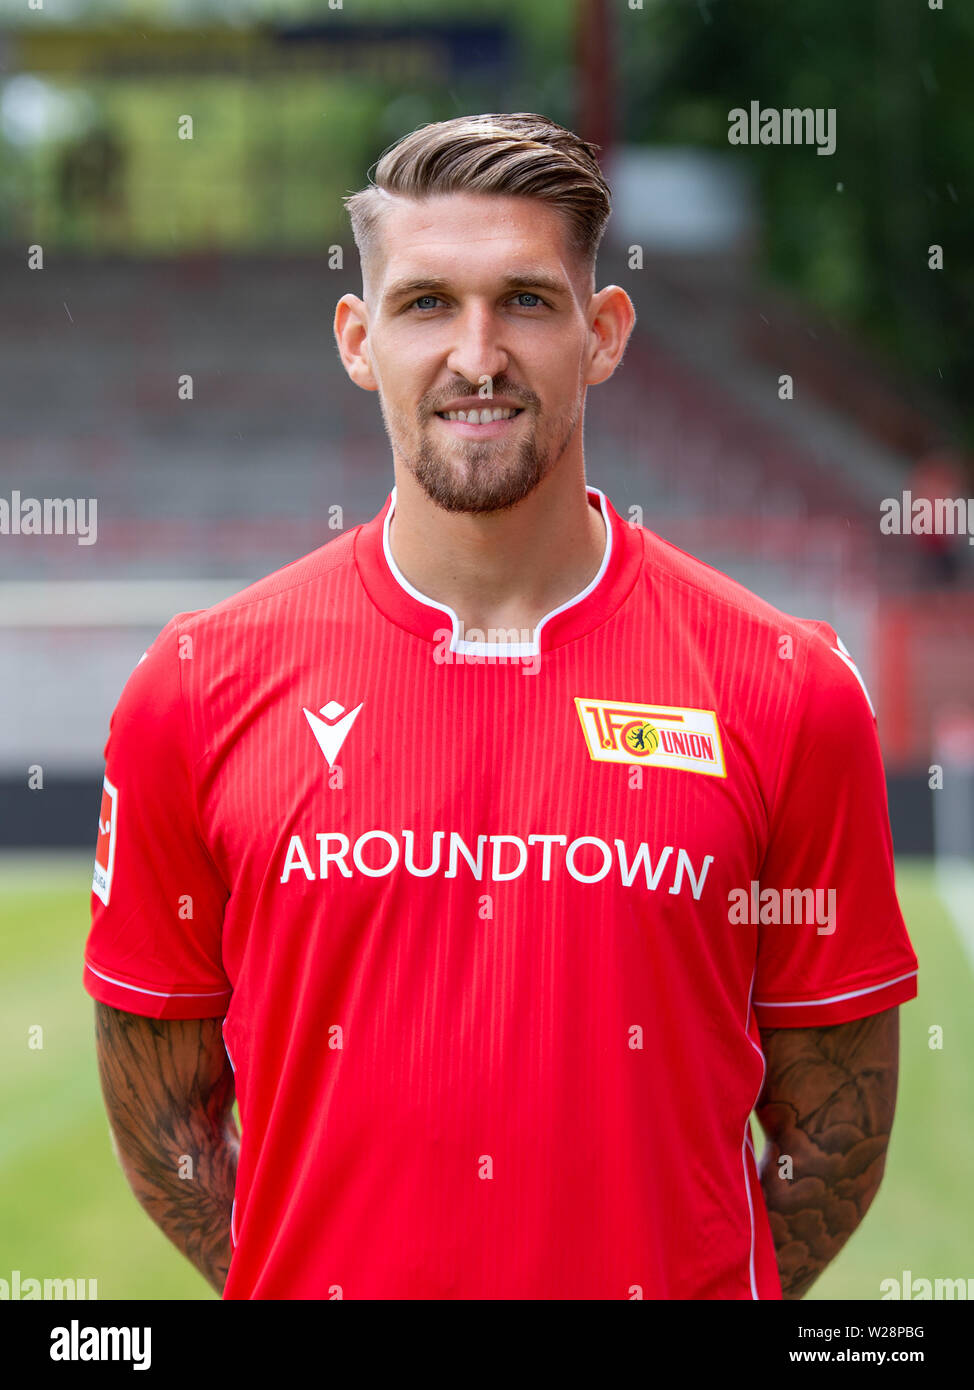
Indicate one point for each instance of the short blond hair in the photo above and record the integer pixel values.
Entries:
(515, 155)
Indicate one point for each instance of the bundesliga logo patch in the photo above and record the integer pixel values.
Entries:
(661, 735)
(101, 882)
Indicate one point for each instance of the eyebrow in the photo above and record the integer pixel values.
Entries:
(529, 279)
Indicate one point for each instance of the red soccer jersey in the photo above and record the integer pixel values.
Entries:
(493, 938)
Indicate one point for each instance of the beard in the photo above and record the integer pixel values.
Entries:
(491, 475)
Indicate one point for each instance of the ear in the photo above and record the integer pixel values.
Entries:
(352, 338)
(612, 317)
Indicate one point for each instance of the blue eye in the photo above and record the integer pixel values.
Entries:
(426, 301)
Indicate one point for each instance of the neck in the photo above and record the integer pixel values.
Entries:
(499, 570)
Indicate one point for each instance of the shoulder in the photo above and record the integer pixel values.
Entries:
(808, 651)
(709, 589)
(788, 685)
(226, 634)
(268, 597)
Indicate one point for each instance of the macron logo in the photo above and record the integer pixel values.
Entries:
(330, 730)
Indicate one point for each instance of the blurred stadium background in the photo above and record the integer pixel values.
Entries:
(222, 257)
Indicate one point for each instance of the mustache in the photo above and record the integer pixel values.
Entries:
(520, 395)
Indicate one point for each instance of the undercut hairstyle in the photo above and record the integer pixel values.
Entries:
(514, 155)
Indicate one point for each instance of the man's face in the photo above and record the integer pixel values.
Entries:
(474, 294)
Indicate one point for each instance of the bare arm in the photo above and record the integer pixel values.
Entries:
(827, 1103)
(168, 1089)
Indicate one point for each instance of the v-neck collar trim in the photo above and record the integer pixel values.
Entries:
(407, 606)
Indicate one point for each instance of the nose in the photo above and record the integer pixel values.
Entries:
(477, 350)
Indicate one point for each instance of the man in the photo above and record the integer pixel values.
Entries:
(510, 854)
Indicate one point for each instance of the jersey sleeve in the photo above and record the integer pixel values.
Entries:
(157, 900)
(843, 951)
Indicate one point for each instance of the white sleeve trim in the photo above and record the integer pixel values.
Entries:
(844, 654)
(159, 993)
(834, 998)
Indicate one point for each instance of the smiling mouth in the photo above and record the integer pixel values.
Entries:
(480, 417)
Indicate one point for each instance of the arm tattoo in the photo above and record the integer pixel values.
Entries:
(827, 1104)
(168, 1089)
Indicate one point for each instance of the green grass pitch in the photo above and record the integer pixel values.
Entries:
(66, 1211)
